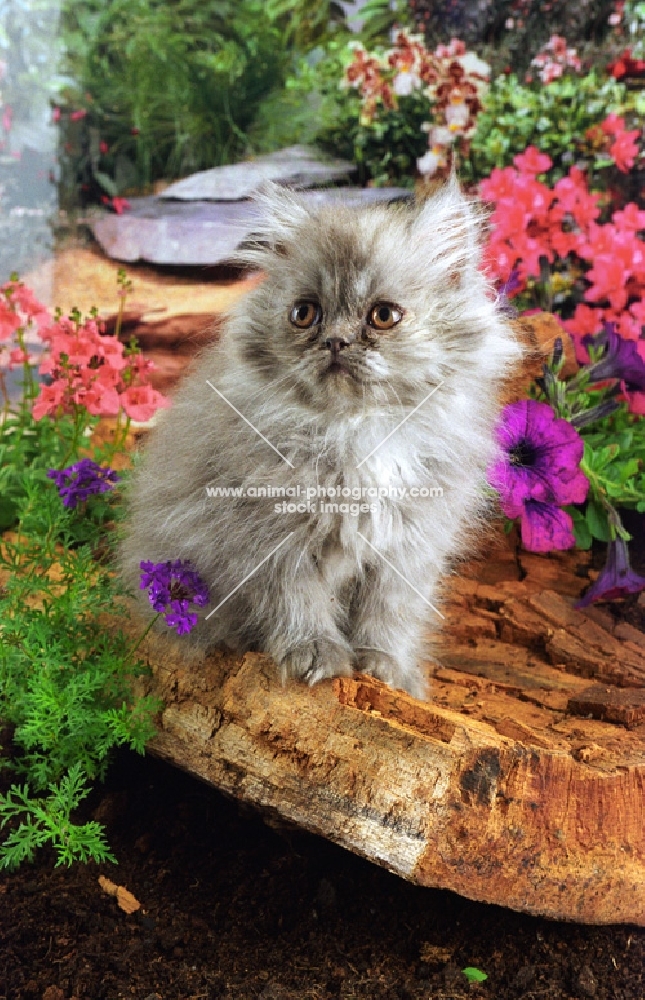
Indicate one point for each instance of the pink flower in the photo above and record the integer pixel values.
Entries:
(99, 400)
(55, 114)
(609, 278)
(49, 401)
(76, 116)
(630, 218)
(19, 357)
(9, 320)
(103, 147)
(613, 125)
(141, 402)
(625, 150)
(7, 118)
(533, 162)
(28, 304)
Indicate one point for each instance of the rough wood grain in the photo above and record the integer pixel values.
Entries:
(520, 782)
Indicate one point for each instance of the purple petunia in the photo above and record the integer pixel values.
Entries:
(172, 587)
(621, 359)
(545, 527)
(616, 579)
(538, 472)
(82, 480)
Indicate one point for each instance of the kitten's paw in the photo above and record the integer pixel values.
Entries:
(408, 677)
(316, 660)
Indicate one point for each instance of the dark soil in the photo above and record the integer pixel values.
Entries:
(232, 908)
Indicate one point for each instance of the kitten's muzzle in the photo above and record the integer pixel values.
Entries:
(336, 345)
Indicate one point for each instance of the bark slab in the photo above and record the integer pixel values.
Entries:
(520, 782)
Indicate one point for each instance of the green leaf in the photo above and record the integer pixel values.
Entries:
(597, 522)
(474, 975)
(580, 529)
(8, 513)
(106, 183)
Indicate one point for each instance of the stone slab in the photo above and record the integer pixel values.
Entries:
(297, 166)
(202, 233)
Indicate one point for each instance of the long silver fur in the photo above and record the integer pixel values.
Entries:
(343, 592)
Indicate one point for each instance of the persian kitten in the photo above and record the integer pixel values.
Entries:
(357, 388)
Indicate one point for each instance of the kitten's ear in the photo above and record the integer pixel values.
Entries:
(447, 234)
(279, 215)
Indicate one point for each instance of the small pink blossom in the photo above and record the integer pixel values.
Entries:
(19, 357)
(533, 162)
(142, 402)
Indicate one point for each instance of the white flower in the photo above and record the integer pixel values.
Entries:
(440, 135)
(457, 115)
(429, 163)
(404, 83)
(473, 64)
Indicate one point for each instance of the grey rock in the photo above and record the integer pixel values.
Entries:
(202, 233)
(297, 166)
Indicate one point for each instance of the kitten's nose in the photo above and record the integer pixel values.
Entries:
(336, 345)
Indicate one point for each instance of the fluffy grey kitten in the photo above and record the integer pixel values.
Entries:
(369, 360)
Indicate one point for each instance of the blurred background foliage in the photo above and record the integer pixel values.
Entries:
(163, 88)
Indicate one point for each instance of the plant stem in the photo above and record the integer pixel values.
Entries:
(134, 648)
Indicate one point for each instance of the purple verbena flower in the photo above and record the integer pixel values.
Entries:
(622, 359)
(541, 458)
(172, 587)
(616, 579)
(82, 480)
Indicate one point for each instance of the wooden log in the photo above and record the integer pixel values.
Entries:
(520, 782)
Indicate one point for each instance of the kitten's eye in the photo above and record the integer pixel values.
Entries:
(384, 317)
(305, 314)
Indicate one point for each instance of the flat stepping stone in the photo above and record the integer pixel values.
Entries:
(202, 233)
(296, 166)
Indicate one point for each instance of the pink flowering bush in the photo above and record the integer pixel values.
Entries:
(84, 375)
(90, 370)
(564, 255)
(564, 247)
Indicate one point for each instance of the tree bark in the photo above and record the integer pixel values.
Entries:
(520, 782)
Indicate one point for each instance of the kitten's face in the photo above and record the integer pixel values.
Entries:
(347, 317)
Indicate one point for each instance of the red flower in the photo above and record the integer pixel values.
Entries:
(626, 66)
(120, 205)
